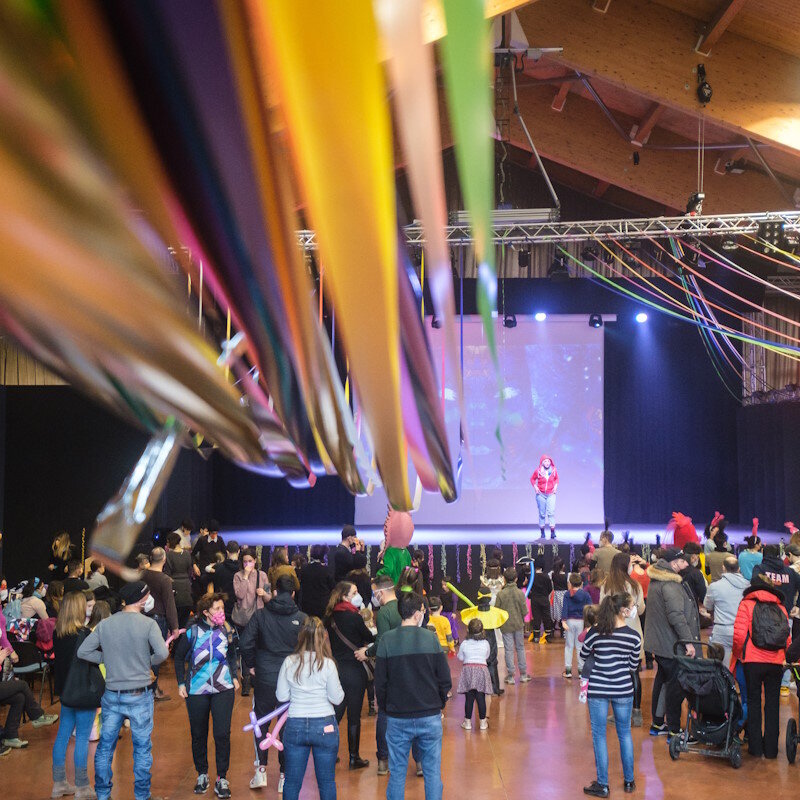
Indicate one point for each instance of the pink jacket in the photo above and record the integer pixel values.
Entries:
(545, 480)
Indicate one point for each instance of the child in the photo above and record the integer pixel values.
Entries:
(441, 625)
(589, 619)
(559, 578)
(369, 621)
(540, 603)
(492, 579)
(449, 603)
(596, 578)
(576, 599)
(512, 599)
(474, 682)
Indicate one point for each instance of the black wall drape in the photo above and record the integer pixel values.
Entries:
(769, 464)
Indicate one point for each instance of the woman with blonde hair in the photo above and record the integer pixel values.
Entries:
(309, 681)
(279, 565)
(62, 553)
(70, 632)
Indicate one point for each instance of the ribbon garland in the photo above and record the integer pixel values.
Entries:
(469, 561)
(514, 553)
(528, 551)
(458, 564)
(430, 562)
(443, 553)
(483, 559)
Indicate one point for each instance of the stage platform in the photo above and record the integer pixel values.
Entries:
(477, 534)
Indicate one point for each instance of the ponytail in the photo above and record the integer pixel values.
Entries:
(752, 541)
(610, 609)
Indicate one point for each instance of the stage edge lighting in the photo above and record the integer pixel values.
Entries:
(641, 317)
(540, 316)
(595, 321)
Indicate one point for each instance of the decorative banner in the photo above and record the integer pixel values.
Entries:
(467, 62)
(458, 564)
(483, 560)
(430, 563)
(469, 561)
(444, 561)
(646, 552)
(328, 77)
(571, 556)
(514, 553)
(528, 551)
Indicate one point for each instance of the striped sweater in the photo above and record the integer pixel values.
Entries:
(615, 655)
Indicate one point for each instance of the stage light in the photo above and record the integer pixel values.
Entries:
(510, 321)
(436, 323)
(595, 321)
(540, 316)
(558, 271)
(641, 317)
(524, 259)
(729, 244)
(694, 205)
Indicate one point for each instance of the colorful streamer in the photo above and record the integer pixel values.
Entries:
(458, 564)
(469, 561)
(430, 563)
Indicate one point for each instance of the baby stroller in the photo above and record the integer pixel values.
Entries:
(715, 710)
(791, 725)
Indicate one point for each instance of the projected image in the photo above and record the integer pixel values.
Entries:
(552, 377)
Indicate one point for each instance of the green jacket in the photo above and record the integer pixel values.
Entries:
(512, 599)
(395, 560)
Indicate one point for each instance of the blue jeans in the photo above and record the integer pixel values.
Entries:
(547, 509)
(380, 739)
(79, 720)
(598, 711)
(116, 707)
(304, 735)
(426, 733)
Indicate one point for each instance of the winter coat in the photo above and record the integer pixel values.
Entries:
(316, 585)
(270, 636)
(743, 648)
(512, 599)
(787, 579)
(248, 601)
(722, 600)
(671, 611)
(545, 480)
(693, 578)
(224, 575)
(342, 560)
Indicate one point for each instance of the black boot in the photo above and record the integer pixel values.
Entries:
(541, 536)
(552, 533)
(245, 683)
(353, 743)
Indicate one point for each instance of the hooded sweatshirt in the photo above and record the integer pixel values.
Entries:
(787, 580)
(743, 648)
(722, 600)
(545, 480)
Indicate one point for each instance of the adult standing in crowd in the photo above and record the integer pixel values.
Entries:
(348, 634)
(61, 553)
(692, 574)
(130, 644)
(279, 565)
(349, 555)
(751, 555)
(205, 549)
(206, 666)
(760, 638)
(270, 636)
(412, 682)
(224, 573)
(316, 583)
(178, 566)
(722, 600)
(309, 681)
(605, 551)
(616, 650)
(251, 590)
(715, 559)
(165, 612)
(184, 531)
(69, 633)
(672, 615)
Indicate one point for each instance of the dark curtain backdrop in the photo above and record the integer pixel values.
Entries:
(769, 464)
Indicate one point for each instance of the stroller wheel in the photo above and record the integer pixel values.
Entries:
(675, 747)
(791, 740)
(736, 755)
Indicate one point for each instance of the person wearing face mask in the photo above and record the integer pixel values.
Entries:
(32, 604)
(251, 590)
(545, 485)
(209, 649)
(130, 644)
(164, 612)
(348, 634)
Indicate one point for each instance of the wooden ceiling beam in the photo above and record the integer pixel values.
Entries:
(718, 25)
(561, 97)
(601, 188)
(641, 47)
(580, 138)
(640, 133)
(434, 27)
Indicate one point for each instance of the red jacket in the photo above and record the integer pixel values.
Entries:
(743, 648)
(546, 481)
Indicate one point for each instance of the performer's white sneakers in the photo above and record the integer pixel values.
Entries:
(259, 780)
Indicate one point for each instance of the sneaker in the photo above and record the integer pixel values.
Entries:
(201, 787)
(466, 725)
(45, 719)
(510, 681)
(281, 781)
(524, 678)
(785, 691)
(484, 724)
(383, 766)
(223, 789)
(658, 730)
(596, 789)
(419, 770)
(567, 673)
(629, 786)
(16, 743)
(4, 750)
(636, 718)
(259, 780)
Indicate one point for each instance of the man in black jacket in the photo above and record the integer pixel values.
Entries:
(208, 544)
(223, 576)
(786, 580)
(692, 574)
(412, 680)
(269, 637)
(349, 555)
(316, 583)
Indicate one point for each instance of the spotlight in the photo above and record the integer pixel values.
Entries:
(704, 90)
(540, 316)
(641, 317)
(524, 259)
(694, 205)
(729, 244)
(436, 322)
(595, 321)
(589, 254)
(510, 321)
(558, 271)
(771, 233)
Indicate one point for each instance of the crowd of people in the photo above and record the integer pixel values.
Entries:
(321, 634)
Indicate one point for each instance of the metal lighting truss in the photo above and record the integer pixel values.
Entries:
(536, 226)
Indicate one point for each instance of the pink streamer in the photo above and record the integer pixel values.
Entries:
(469, 561)
(430, 562)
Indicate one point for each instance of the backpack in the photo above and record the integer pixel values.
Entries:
(770, 628)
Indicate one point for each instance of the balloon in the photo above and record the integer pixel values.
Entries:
(272, 739)
(256, 723)
(530, 584)
(458, 594)
(399, 528)
(173, 636)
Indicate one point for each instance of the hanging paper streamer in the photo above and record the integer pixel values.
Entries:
(308, 552)
(430, 562)
(458, 564)
(483, 559)
(528, 551)
(571, 556)
(444, 560)
(514, 552)
(555, 551)
(540, 550)
(646, 552)
(469, 561)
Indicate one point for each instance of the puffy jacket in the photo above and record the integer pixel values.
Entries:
(743, 648)
(545, 480)
(671, 611)
(270, 636)
(787, 579)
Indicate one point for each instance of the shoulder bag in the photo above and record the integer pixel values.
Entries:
(85, 684)
(369, 664)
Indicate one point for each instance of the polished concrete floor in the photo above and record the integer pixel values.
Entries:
(538, 745)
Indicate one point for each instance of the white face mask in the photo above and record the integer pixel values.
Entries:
(629, 613)
(149, 604)
(357, 600)
(421, 620)
(3, 595)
